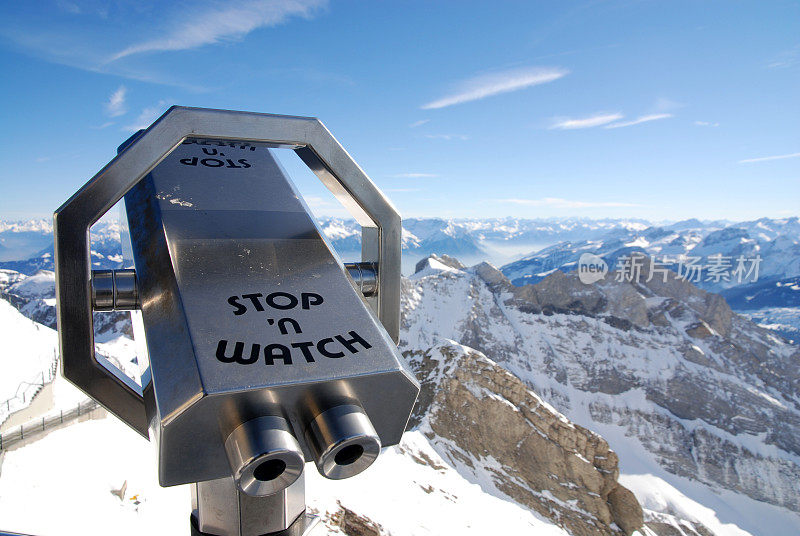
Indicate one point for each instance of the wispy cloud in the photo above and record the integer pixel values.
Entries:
(446, 137)
(491, 84)
(785, 59)
(415, 176)
(766, 158)
(103, 126)
(639, 120)
(419, 123)
(596, 120)
(147, 116)
(200, 27)
(557, 202)
(706, 124)
(115, 105)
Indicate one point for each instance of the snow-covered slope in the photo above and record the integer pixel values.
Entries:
(498, 240)
(709, 399)
(770, 248)
(453, 486)
(776, 242)
(410, 490)
(27, 357)
(29, 367)
(86, 462)
(700, 405)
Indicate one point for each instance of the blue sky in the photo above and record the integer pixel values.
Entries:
(658, 110)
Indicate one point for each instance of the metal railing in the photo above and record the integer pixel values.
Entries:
(34, 428)
(27, 391)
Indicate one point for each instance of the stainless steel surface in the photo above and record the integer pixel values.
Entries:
(114, 290)
(264, 350)
(307, 136)
(343, 441)
(264, 456)
(126, 290)
(223, 510)
(365, 277)
(247, 312)
(103, 290)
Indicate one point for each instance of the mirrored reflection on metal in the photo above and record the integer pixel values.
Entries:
(265, 352)
(114, 290)
(224, 510)
(103, 290)
(365, 276)
(247, 312)
(126, 292)
(264, 456)
(343, 441)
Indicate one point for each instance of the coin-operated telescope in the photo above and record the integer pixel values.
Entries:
(265, 351)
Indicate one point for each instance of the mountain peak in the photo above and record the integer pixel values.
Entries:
(437, 263)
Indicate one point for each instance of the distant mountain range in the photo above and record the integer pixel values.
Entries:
(677, 384)
(698, 408)
(776, 242)
(497, 240)
(527, 250)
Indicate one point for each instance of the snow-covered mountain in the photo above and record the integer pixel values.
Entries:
(700, 406)
(767, 251)
(484, 453)
(555, 243)
(679, 385)
(497, 240)
(776, 242)
(468, 492)
(473, 240)
(24, 239)
(33, 245)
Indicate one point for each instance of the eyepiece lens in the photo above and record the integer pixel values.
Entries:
(349, 454)
(269, 470)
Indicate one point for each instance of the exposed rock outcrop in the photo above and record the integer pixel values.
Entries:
(476, 412)
(626, 509)
(712, 396)
(353, 524)
(436, 260)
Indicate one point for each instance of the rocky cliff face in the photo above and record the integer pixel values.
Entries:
(485, 421)
(710, 395)
(35, 297)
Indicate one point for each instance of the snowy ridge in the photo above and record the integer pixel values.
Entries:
(426, 495)
(22, 226)
(630, 381)
(777, 242)
(27, 354)
(700, 427)
(498, 240)
(443, 501)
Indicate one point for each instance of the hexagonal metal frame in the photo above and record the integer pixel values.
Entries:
(380, 221)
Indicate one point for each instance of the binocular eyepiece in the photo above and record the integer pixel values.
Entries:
(265, 352)
(343, 441)
(265, 457)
